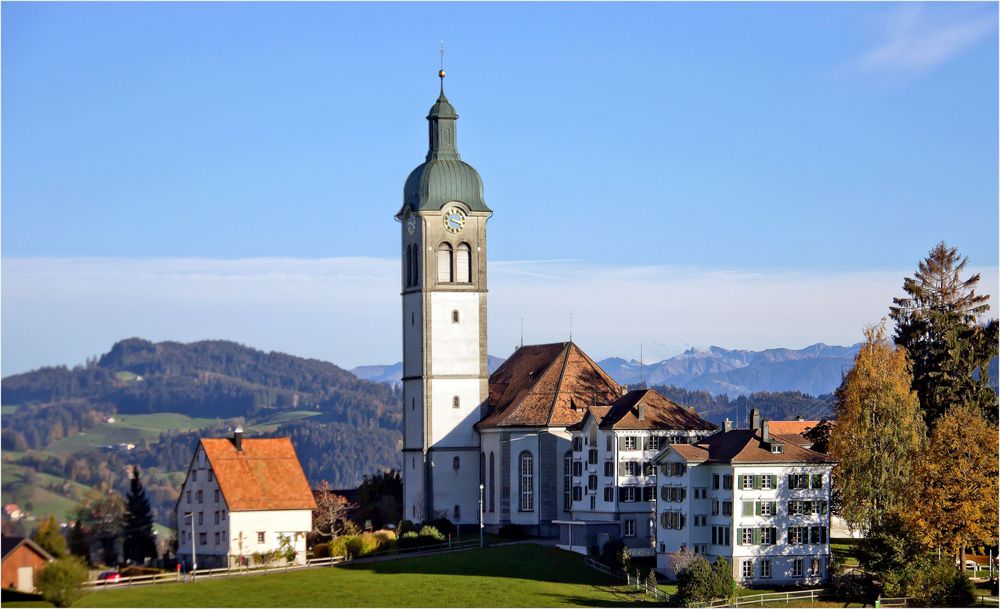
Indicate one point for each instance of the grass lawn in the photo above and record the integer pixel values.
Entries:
(845, 548)
(127, 428)
(522, 575)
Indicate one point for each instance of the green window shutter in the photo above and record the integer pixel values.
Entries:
(747, 508)
(756, 536)
(774, 508)
(756, 508)
(756, 481)
(739, 536)
(774, 481)
(739, 482)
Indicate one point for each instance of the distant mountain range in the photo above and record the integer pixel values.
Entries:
(816, 370)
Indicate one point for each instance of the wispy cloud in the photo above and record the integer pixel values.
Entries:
(346, 310)
(914, 41)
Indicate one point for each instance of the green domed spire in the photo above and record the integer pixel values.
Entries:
(444, 177)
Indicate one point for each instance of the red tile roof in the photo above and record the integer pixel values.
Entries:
(658, 413)
(746, 446)
(547, 385)
(791, 427)
(265, 475)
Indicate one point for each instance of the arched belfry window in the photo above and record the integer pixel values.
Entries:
(463, 263)
(526, 482)
(409, 265)
(445, 271)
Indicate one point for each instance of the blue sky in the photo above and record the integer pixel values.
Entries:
(822, 140)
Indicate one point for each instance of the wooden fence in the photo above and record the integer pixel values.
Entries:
(759, 600)
(312, 563)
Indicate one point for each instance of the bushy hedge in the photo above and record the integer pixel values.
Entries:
(427, 536)
(356, 545)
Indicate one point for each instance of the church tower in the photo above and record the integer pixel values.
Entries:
(445, 372)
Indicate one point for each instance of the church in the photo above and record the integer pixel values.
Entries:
(505, 439)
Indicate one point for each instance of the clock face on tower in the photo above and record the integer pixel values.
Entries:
(454, 220)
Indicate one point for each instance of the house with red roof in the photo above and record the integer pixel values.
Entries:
(243, 501)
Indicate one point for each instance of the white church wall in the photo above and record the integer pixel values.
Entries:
(450, 426)
(454, 345)
(519, 443)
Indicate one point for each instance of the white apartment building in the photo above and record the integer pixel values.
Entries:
(757, 499)
(242, 497)
(608, 477)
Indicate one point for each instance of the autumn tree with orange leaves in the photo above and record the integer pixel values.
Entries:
(953, 494)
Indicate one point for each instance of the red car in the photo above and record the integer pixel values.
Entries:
(109, 577)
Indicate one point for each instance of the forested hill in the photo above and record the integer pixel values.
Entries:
(353, 425)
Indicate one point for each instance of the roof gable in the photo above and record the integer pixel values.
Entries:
(658, 412)
(547, 385)
(265, 475)
(10, 543)
(747, 446)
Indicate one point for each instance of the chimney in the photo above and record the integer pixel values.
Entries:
(754, 418)
(238, 439)
(765, 432)
(798, 417)
(642, 412)
(727, 426)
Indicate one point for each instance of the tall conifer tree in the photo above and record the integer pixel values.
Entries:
(939, 324)
(139, 539)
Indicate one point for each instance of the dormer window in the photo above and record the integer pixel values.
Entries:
(777, 448)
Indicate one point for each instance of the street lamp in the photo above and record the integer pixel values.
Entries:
(482, 543)
(194, 544)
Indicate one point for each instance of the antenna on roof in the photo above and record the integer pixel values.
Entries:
(570, 327)
(522, 331)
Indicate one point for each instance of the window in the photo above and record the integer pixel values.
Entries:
(211, 476)
(217, 538)
(629, 493)
(592, 482)
(409, 265)
(416, 265)
(629, 528)
(458, 512)
(189, 496)
(577, 443)
(766, 482)
(609, 493)
(492, 484)
(648, 469)
(202, 539)
(444, 263)
(746, 536)
(748, 508)
(456, 402)
(577, 493)
(747, 569)
(817, 534)
(715, 481)
(797, 535)
(223, 512)
(463, 263)
(727, 508)
(793, 508)
(456, 463)
(608, 442)
(567, 479)
(216, 516)
(777, 448)
(194, 475)
(798, 481)
(630, 468)
(454, 317)
(260, 536)
(715, 507)
(526, 482)
(578, 468)
(413, 403)
(199, 496)
(201, 518)
(767, 508)
(797, 567)
(629, 443)
(814, 567)
(654, 443)
(817, 481)
(727, 482)
(746, 481)
(767, 535)
(592, 456)
(609, 468)
(765, 569)
(216, 493)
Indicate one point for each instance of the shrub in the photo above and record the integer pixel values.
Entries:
(409, 539)
(933, 581)
(338, 546)
(60, 580)
(445, 526)
(321, 550)
(432, 534)
(725, 586)
(405, 526)
(513, 531)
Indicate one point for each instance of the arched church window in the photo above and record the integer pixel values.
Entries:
(454, 316)
(492, 478)
(463, 263)
(445, 271)
(455, 402)
(526, 482)
(456, 463)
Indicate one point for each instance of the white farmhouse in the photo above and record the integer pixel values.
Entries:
(243, 498)
(756, 498)
(611, 473)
